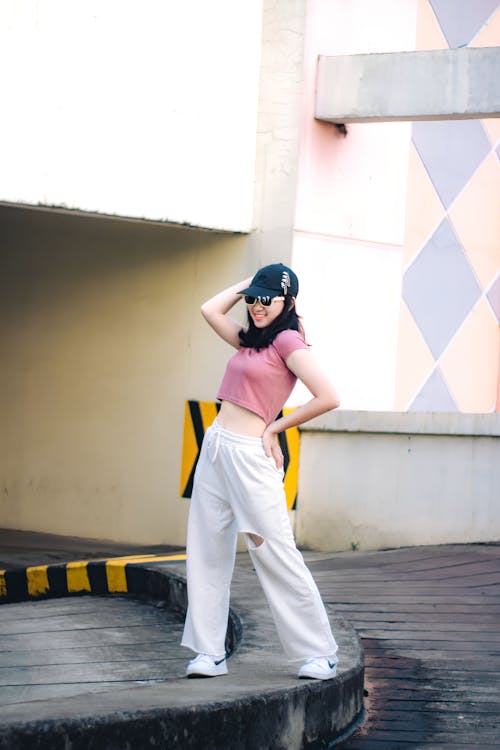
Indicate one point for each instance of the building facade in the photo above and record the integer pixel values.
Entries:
(150, 159)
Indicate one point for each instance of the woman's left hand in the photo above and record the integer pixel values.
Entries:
(272, 447)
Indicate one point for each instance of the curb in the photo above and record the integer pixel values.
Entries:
(109, 576)
(258, 706)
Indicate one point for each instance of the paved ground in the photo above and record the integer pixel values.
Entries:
(21, 548)
(75, 646)
(80, 645)
(90, 689)
(429, 618)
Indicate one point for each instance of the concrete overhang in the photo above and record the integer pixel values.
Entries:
(430, 85)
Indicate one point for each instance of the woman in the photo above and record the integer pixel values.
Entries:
(238, 484)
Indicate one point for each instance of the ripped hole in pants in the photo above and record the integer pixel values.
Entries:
(253, 540)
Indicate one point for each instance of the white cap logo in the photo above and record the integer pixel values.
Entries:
(285, 282)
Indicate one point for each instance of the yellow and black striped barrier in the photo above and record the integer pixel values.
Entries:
(199, 415)
(110, 576)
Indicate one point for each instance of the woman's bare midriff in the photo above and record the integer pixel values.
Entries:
(238, 419)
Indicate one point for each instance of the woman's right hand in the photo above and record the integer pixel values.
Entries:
(215, 312)
(272, 447)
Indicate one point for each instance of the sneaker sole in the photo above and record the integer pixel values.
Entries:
(317, 677)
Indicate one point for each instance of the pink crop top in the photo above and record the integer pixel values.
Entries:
(260, 380)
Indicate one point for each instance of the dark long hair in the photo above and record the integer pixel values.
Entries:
(260, 338)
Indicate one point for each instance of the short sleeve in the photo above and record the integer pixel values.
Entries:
(287, 342)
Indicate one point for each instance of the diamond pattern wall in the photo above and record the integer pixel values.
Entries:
(494, 298)
(480, 237)
(440, 288)
(434, 396)
(429, 32)
(412, 347)
(451, 151)
(473, 386)
(488, 36)
(460, 20)
(451, 285)
(420, 225)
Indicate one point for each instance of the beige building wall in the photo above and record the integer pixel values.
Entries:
(102, 340)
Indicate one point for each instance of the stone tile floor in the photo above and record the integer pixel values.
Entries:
(428, 617)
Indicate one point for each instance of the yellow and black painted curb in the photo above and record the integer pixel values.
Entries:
(199, 415)
(111, 576)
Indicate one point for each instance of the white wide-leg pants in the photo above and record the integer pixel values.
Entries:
(237, 488)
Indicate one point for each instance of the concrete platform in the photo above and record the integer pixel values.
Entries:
(260, 704)
(428, 617)
(58, 648)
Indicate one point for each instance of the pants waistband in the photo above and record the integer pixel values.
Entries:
(217, 436)
(234, 438)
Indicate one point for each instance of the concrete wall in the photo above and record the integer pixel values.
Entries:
(423, 85)
(371, 480)
(102, 339)
(278, 126)
(144, 111)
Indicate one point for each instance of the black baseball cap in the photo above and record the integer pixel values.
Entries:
(273, 280)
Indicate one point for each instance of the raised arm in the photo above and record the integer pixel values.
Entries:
(215, 312)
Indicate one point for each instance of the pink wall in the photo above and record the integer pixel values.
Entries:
(498, 392)
(368, 205)
(353, 186)
(349, 223)
(453, 193)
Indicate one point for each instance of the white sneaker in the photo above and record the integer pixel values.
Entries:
(319, 668)
(205, 665)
